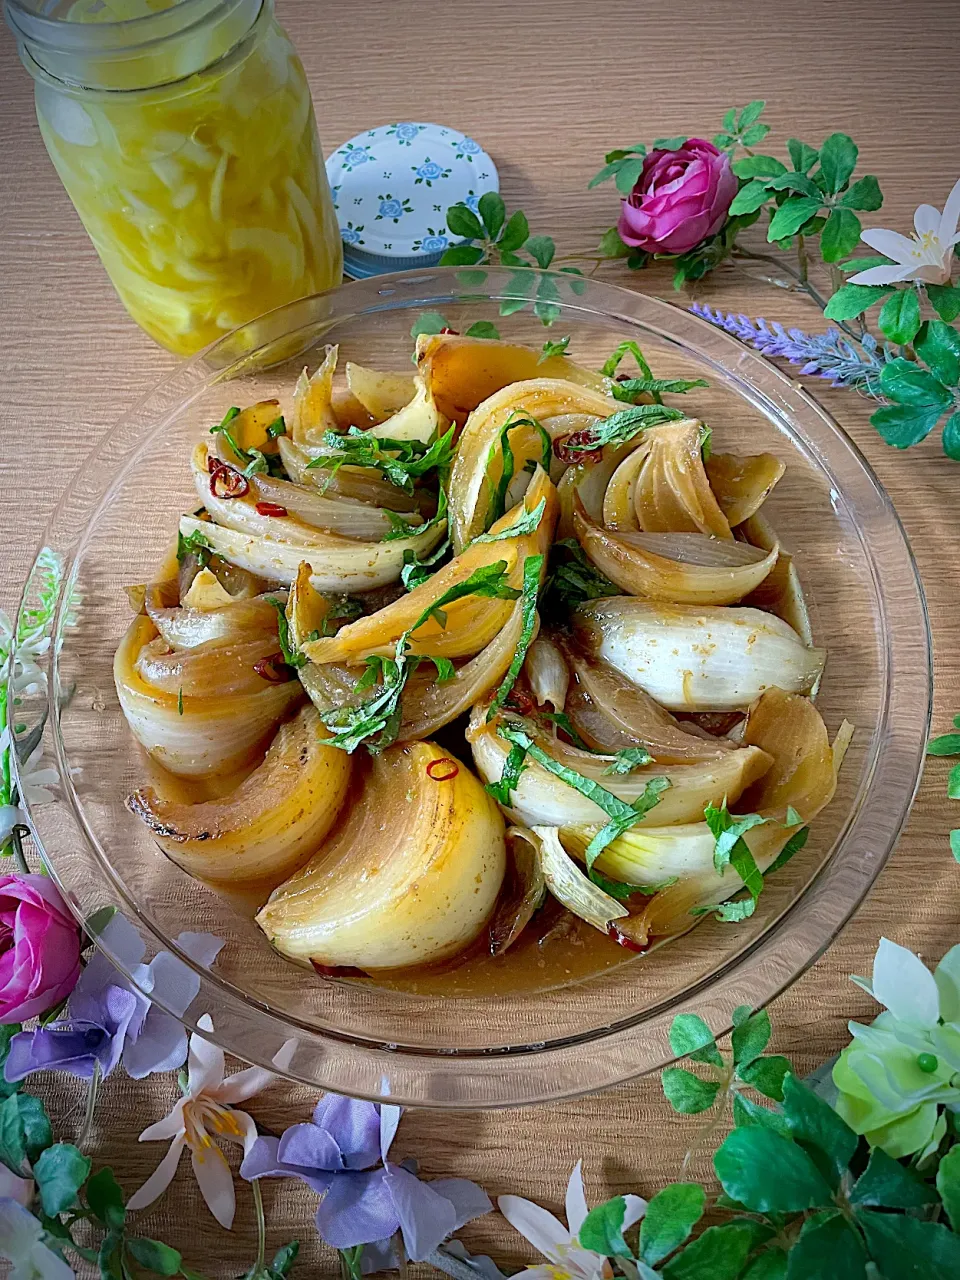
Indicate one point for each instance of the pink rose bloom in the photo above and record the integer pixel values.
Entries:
(39, 947)
(680, 199)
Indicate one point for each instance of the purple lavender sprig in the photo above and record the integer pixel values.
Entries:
(829, 355)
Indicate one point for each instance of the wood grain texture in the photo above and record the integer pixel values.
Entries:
(547, 86)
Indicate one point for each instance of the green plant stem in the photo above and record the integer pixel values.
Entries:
(805, 286)
(92, 1091)
(350, 1263)
(803, 258)
(16, 839)
(261, 1228)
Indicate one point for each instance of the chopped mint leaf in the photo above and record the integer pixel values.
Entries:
(621, 427)
(532, 568)
(554, 347)
(628, 760)
(730, 848)
(562, 721)
(291, 654)
(344, 607)
(631, 388)
(180, 701)
(626, 348)
(498, 503)
(525, 523)
(399, 461)
(416, 570)
(277, 427)
(195, 544)
(793, 818)
(576, 579)
(489, 580)
(513, 766)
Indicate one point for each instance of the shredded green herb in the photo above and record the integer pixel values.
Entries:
(555, 347)
(532, 567)
(628, 760)
(731, 848)
(401, 528)
(626, 348)
(277, 427)
(180, 701)
(498, 503)
(620, 890)
(344, 607)
(526, 522)
(621, 427)
(194, 544)
(513, 766)
(562, 721)
(291, 654)
(793, 845)
(416, 570)
(573, 578)
(399, 461)
(632, 388)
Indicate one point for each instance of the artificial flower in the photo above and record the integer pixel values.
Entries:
(22, 1243)
(568, 1260)
(926, 256)
(681, 198)
(16, 1188)
(108, 1018)
(342, 1155)
(208, 1103)
(39, 947)
(898, 1071)
(28, 678)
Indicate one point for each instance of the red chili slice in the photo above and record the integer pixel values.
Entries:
(520, 701)
(270, 509)
(622, 940)
(446, 329)
(581, 453)
(442, 770)
(228, 482)
(274, 670)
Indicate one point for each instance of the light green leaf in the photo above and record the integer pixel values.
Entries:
(426, 322)
(59, 1173)
(909, 1249)
(770, 1265)
(768, 1173)
(602, 1229)
(904, 381)
(953, 783)
(462, 221)
(838, 159)
(948, 1185)
(865, 194)
(851, 300)
(690, 1037)
(903, 426)
(798, 183)
(945, 300)
(889, 1184)
(750, 1037)
(515, 233)
(686, 1092)
(670, 144)
(938, 346)
(827, 1246)
(611, 246)
(155, 1256)
(791, 216)
(461, 255)
(285, 1257)
(899, 317)
(604, 174)
(802, 157)
(483, 329)
(758, 167)
(750, 113)
(671, 1216)
(628, 175)
(955, 834)
(951, 437)
(542, 249)
(756, 133)
(827, 1139)
(723, 140)
(751, 197)
(493, 212)
(718, 1253)
(747, 1113)
(840, 235)
(766, 1075)
(947, 744)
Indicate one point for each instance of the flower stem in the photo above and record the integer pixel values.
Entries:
(805, 286)
(350, 1263)
(94, 1088)
(16, 839)
(261, 1228)
(803, 258)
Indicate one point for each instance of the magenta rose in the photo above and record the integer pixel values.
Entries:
(39, 947)
(681, 198)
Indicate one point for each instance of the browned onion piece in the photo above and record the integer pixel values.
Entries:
(634, 714)
(333, 513)
(208, 670)
(361, 484)
(185, 628)
(780, 592)
(546, 672)
(679, 568)
(741, 484)
(672, 493)
(522, 893)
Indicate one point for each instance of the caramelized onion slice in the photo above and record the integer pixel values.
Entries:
(192, 736)
(344, 516)
(523, 890)
(411, 874)
(680, 568)
(742, 484)
(697, 657)
(183, 627)
(478, 466)
(463, 372)
(312, 407)
(270, 824)
(571, 887)
(381, 394)
(473, 621)
(211, 670)
(547, 672)
(358, 484)
(249, 430)
(672, 493)
(780, 593)
(336, 564)
(589, 480)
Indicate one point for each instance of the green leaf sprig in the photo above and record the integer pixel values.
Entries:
(948, 744)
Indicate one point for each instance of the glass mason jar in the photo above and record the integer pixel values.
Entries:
(183, 132)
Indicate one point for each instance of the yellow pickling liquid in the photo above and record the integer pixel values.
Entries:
(205, 195)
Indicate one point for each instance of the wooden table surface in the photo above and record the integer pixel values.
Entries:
(547, 86)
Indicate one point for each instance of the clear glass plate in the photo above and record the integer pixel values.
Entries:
(867, 609)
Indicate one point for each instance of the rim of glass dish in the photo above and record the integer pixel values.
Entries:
(552, 1069)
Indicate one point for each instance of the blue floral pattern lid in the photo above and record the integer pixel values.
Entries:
(392, 187)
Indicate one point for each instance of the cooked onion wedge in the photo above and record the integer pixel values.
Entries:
(358, 484)
(697, 658)
(619, 498)
(590, 481)
(781, 592)
(336, 564)
(381, 394)
(649, 854)
(571, 887)
(249, 430)
(418, 420)
(478, 465)
(270, 824)
(611, 713)
(312, 408)
(547, 673)
(742, 483)
(463, 372)
(679, 568)
(541, 798)
(410, 876)
(473, 621)
(672, 493)
(228, 668)
(186, 626)
(211, 734)
(523, 890)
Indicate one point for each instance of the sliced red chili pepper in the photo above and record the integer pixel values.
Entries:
(228, 482)
(274, 670)
(270, 509)
(622, 940)
(213, 463)
(582, 453)
(442, 770)
(520, 701)
(446, 329)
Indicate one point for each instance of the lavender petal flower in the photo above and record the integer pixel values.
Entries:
(358, 1209)
(831, 355)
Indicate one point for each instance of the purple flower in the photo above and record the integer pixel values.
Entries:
(365, 1199)
(108, 1020)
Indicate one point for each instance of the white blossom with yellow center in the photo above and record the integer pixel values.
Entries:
(926, 256)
